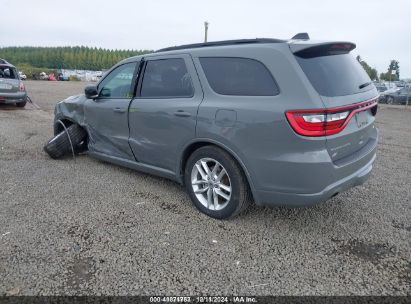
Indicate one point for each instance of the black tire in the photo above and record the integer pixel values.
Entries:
(240, 198)
(59, 145)
(21, 104)
(390, 100)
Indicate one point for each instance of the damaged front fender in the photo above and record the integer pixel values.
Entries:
(70, 109)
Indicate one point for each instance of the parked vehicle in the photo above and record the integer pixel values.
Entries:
(380, 87)
(44, 76)
(22, 75)
(400, 96)
(266, 120)
(400, 84)
(390, 88)
(52, 77)
(12, 89)
(62, 77)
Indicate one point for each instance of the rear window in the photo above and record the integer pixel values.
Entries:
(7, 72)
(238, 76)
(335, 75)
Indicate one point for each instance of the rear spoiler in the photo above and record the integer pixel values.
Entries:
(310, 50)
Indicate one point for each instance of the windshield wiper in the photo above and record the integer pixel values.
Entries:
(364, 85)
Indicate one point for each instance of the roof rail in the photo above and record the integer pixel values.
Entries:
(221, 43)
(301, 36)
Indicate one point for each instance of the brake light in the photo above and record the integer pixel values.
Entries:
(21, 87)
(326, 122)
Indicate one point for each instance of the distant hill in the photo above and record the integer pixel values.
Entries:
(78, 57)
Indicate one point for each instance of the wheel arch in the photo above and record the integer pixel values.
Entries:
(58, 127)
(193, 146)
(67, 121)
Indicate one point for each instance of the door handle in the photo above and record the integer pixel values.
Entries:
(182, 113)
(119, 110)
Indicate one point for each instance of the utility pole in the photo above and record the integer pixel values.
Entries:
(205, 30)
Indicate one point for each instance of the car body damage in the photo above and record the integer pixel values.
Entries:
(71, 109)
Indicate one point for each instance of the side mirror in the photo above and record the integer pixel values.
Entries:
(91, 92)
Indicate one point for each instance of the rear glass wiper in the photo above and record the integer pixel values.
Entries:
(364, 85)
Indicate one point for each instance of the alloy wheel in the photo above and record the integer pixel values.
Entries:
(211, 184)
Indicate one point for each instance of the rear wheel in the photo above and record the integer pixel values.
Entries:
(216, 183)
(60, 146)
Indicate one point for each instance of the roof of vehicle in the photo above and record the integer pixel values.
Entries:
(297, 43)
(4, 62)
(222, 43)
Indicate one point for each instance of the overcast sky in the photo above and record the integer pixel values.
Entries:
(380, 28)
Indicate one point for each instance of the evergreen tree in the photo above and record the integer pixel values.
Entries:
(78, 57)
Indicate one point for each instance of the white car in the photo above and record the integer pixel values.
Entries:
(44, 76)
(22, 75)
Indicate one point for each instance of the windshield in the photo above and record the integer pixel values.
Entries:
(336, 75)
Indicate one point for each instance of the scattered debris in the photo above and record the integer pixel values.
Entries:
(258, 285)
(13, 292)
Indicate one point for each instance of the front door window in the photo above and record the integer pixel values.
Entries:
(118, 84)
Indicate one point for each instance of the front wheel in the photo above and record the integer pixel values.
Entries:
(390, 100)
(60, 145)
(216, 184)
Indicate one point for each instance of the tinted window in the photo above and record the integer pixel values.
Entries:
(335, 75)
(7, 72)
(238, 76)
(166, 78)
(117, 84)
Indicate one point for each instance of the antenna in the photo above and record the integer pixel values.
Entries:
(206, 23)
(301, 36)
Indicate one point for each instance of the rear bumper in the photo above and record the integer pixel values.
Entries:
(11, 98)
(270, 198)
(336, 177)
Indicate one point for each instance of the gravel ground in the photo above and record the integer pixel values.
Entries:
(88, 227)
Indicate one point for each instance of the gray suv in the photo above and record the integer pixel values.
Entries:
(275, 122)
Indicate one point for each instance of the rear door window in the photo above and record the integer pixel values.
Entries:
(335, 75)
(238, 76)
(8, 72)
(166, 78)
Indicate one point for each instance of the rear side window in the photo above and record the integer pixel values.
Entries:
(238, 76)
(335, 75)
(8, 72)
(166, 78)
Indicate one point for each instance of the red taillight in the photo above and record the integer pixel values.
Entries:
(21, 87)
(325, 122)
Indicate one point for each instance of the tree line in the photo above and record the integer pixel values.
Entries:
(388, 76)
(96, 59)
(78, 57)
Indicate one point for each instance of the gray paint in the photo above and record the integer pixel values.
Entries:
(281, 166)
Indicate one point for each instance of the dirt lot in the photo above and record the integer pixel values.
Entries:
(88, 227)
